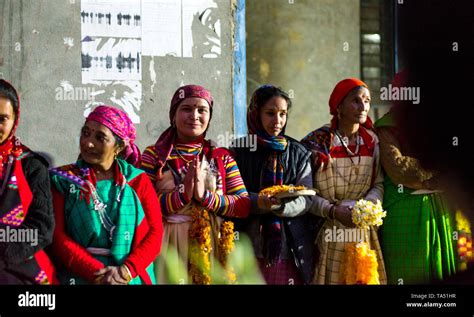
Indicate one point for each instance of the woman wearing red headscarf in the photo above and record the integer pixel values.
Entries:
(25, 202)
(108, 219)
(198, 184)
(346, 168)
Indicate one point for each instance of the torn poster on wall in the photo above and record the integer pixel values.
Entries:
(181, 28)
(111, 59)
(111, 53)
(115, 34)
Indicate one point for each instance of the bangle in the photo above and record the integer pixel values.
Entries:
(129, 278)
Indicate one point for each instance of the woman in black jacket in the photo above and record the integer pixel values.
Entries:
(26, 213)
(280, 230)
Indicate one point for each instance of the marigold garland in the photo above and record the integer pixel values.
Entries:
(200, 247)
(360, 261)
(360, 264)
(226, 246)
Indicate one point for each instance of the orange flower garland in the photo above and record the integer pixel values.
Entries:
(360, 261)
(200, 247)
(360, 264)
(226, 246)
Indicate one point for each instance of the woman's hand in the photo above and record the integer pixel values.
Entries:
(199, 180)
(189, 181)
(112, 275)
(344, 215)
(265, 202)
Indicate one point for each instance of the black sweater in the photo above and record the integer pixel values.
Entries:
(40, 213)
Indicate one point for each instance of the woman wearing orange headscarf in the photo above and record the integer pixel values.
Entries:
(346, 168)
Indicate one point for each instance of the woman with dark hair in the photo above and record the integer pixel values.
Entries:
(108, 219)
(199, 186)
(346, 165)
(279, 229)
(25, 202)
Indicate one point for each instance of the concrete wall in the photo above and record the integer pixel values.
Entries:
(35, 58)
(305, 47)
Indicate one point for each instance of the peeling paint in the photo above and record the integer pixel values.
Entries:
(68, 42)
(152, 74)
(66, 85)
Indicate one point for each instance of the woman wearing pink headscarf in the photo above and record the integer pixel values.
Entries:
(198, 185)
(108, 219)
(346, 168)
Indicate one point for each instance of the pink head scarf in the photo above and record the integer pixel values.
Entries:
(120, 124)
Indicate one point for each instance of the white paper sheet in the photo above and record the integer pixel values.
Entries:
(181, 28)
(111, 53)
(161, 31)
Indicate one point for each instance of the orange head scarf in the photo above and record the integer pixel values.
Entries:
(342, 89)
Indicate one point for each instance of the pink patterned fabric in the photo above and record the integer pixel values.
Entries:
(120, 124)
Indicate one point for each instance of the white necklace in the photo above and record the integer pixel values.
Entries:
(345, 143)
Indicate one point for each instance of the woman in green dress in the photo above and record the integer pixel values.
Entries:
(108, 219)
(417, 236)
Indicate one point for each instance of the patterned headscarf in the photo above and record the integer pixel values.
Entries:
(342, 89)
(273, 174)
(120, 124)
(254, 123)
(164, 144)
